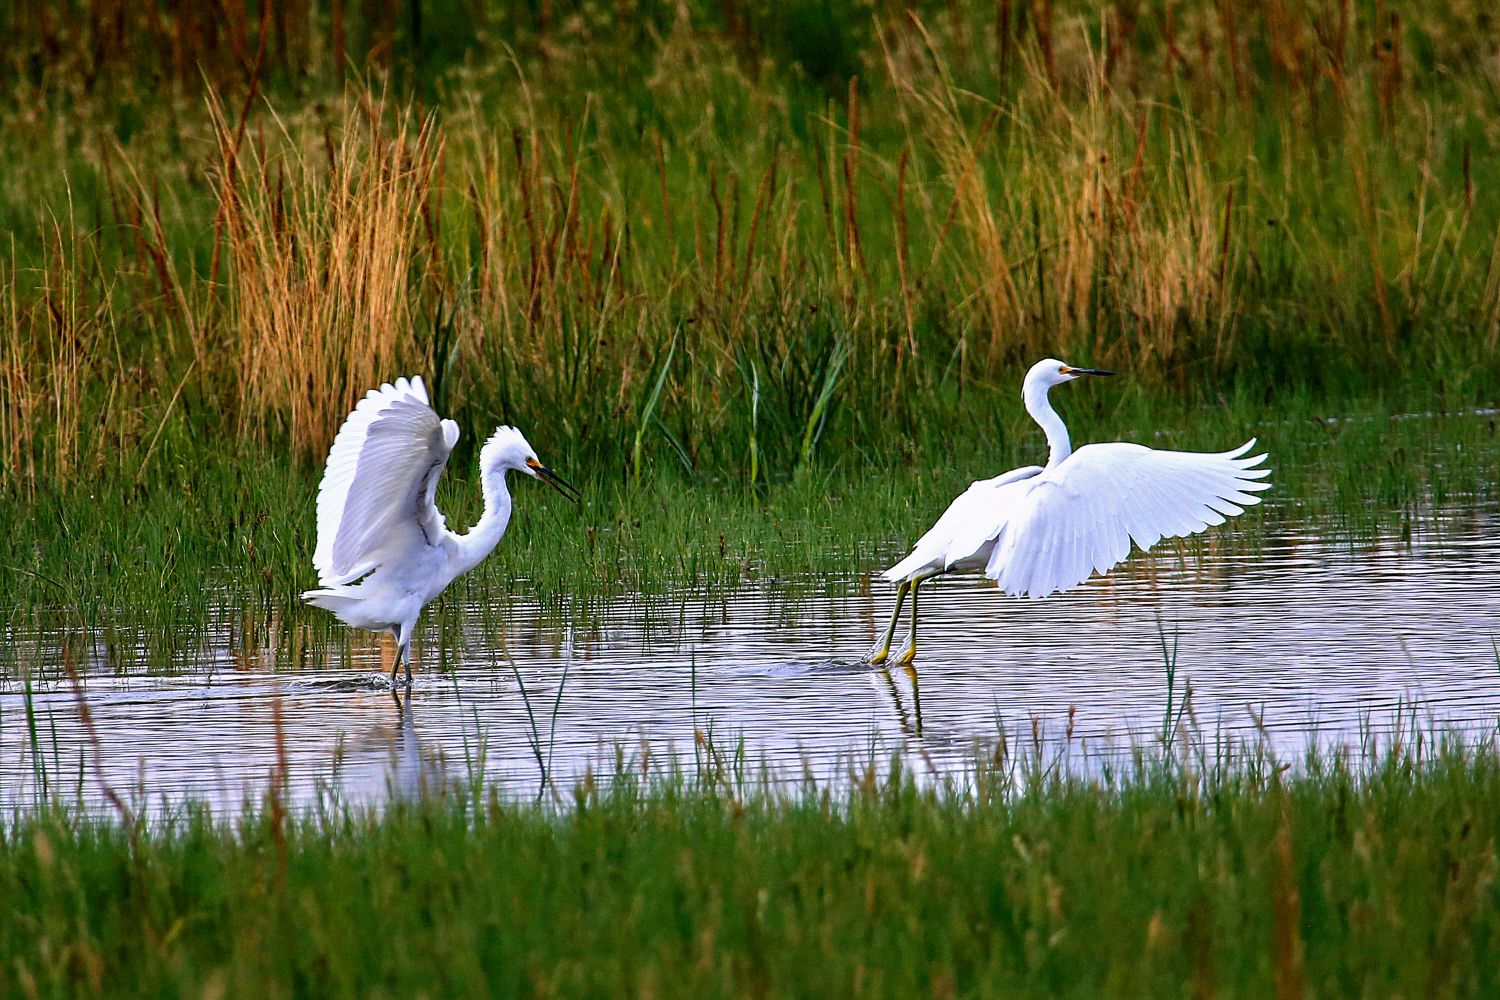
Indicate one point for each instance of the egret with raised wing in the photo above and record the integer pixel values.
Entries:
(1041, 529)
(384, 549)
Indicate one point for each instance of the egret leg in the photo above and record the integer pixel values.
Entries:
(403, 654)
(909, 651)
(883, 649)
(396, 662)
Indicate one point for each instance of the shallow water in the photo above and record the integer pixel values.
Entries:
(1295, 639)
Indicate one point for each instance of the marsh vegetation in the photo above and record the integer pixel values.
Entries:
(762, 279)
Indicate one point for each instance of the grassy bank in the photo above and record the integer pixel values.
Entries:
(1160, 878)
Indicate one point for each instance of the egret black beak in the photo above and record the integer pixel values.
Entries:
(1086, 371)
(558, 483)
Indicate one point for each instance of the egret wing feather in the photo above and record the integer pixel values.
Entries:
(932, 548)
(1080, 517)
(987, 517)
(377, 493)
(973, 518)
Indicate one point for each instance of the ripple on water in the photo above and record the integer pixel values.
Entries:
(1301, 639)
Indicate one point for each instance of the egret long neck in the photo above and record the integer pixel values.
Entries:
(1042, 412)
(477, 542)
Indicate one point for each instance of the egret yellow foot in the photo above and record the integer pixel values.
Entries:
(907, 654)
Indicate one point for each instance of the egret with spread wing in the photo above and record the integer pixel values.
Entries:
(1042, 529)
(384, 549)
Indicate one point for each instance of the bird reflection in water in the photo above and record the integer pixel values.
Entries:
(412, 774)
(906, 697)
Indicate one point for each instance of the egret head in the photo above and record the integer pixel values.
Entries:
(1049, 372)
(508, 449)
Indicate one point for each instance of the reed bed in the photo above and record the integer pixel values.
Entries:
(737, 243)
(321, 245)
(767, 271)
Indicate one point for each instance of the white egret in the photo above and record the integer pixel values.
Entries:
(384, 549)
(1042, 529)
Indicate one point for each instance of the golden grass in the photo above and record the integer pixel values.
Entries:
(63, 389)
(322, 246)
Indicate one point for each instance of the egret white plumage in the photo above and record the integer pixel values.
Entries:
(384, 549)
(1041, 529)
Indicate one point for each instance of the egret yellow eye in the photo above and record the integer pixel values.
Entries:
(1064, 370)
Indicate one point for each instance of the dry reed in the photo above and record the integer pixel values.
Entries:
(323, 243)
(63, 387)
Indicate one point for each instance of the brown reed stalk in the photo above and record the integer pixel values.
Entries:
(86, 718)
(666, 201)
(533, 234)
(20, 396)
(1489, 300)
(1370, 225)
(277, 789)
(1137, 168)
(1225, 230)
(763, 198)
(784, 258)
(1004, 35)
(1230, 29)
(67, 333)
(836, 244)
(336, 30)
(713, 194)
(229, 152)
(1388, 55)
(1468, 185)
(1169, 41)
(1288, 976)
(319, 261)
(1120, 25)
(1041, 23)
(855, 249)
(732, 210)
(903, 257)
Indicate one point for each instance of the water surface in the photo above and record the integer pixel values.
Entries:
(1296, 638)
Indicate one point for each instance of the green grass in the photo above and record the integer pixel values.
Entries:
(1337, 878)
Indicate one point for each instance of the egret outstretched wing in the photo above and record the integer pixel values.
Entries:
(1080, 516)
(377, 492)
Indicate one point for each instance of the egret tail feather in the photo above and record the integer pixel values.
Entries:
(339, 600)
